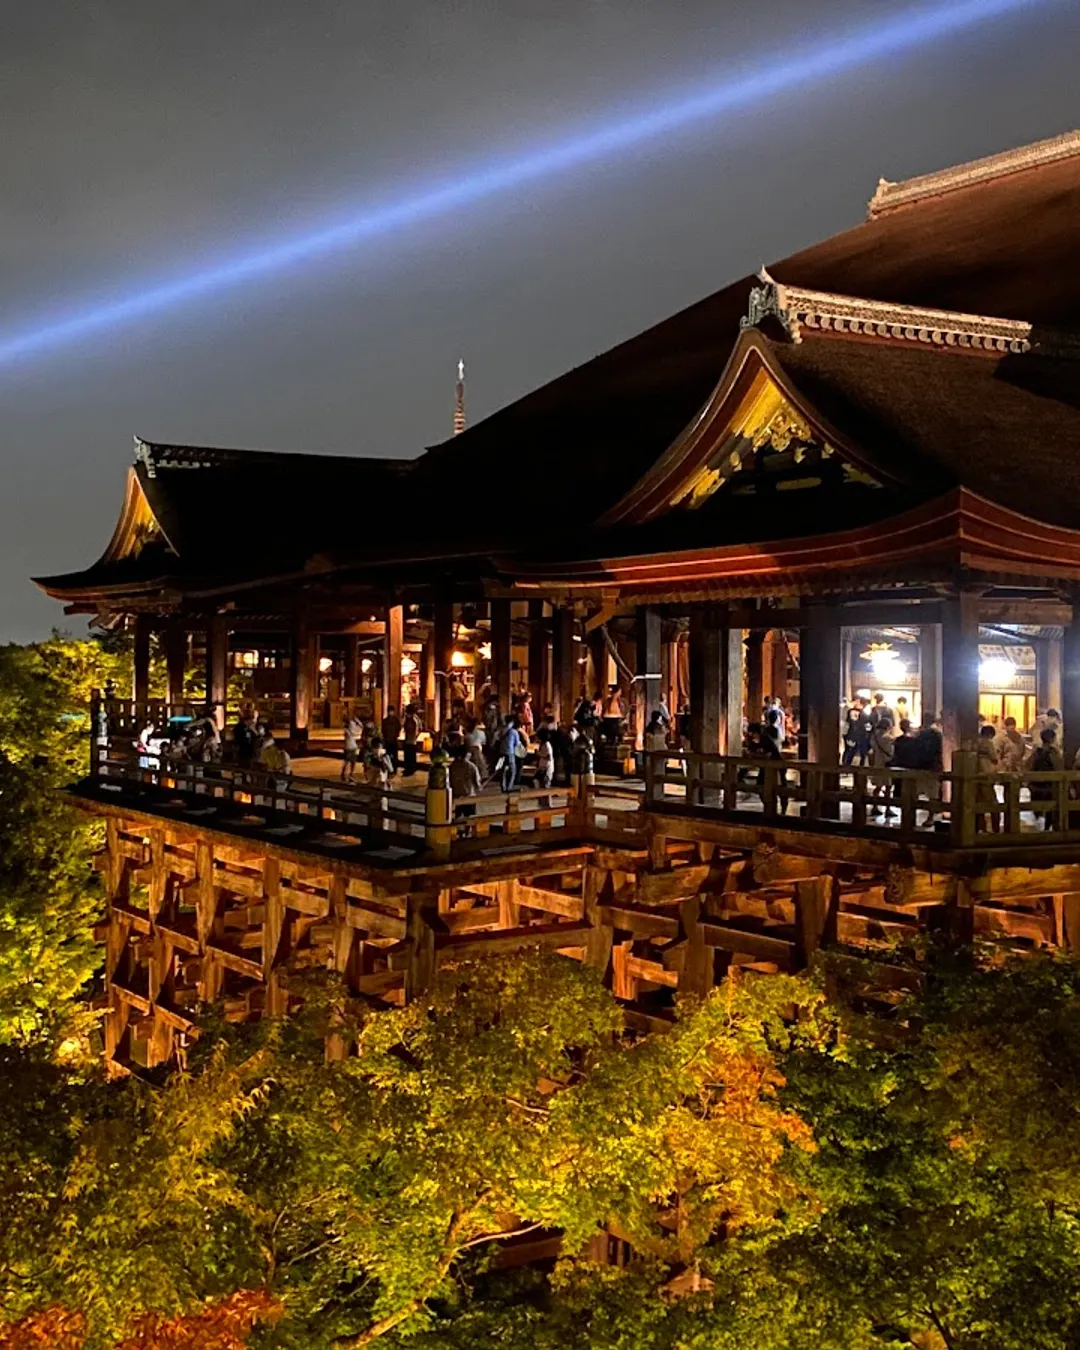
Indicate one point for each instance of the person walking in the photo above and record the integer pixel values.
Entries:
(466, 783)
(986, 768)
(507, 754)
(377, 768)
(882, 744)
(1046, 759)
(350, 755)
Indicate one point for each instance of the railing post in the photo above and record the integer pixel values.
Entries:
(439, 809)
(650, 776)
(962, 801)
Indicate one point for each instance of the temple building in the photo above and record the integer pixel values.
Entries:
(851, 472)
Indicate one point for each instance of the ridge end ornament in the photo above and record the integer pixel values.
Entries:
(770, 301)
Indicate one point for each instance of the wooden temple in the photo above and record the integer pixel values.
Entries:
(853, 470)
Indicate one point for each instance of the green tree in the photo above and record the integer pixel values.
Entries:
(48, 896)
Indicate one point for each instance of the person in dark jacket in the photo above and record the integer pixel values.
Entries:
(857, 729)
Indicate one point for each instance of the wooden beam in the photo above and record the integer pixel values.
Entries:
(548, 936)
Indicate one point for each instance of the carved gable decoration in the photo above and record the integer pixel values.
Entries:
(766, 446)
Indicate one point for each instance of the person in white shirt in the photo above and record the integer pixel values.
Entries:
(351, 754)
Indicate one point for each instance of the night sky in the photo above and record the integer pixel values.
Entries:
(142, 139)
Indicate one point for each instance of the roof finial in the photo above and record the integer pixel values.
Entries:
(459, 400)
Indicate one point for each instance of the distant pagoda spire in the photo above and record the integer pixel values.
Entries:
(459, 400)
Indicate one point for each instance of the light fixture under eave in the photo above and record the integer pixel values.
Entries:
(408, 665)
(326, 663)
(997, 672)
(459, 659)
(366, 664)
(885, 662)
(484, 651)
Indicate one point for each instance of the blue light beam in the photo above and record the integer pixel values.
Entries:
(769, 78)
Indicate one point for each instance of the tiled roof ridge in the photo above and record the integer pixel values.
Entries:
(157, 455)
(796, 308)
(889, 195)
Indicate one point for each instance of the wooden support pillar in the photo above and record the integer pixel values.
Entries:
(176, 650)
(351, 683)
(930, 682)
(755, 673)
(421, 920)
(1070, 690)
(428, 684)
(564, 668)
(393, 646)
(716, 682)
(776, 665)
(217, 668)
(596, 669)
(1049, 669)
(301, 678)
(444, 652)
(819, 687)
(960, 673)
(140, 685)
(539, 683)
(647, 690)
(501, 658)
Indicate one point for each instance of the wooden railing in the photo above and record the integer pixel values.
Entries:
(966, 807)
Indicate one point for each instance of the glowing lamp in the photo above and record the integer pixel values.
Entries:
(366, 664)
(408, 665)
(326, 663)
(249, 660)
(996, 671)
(885, 663)
(485, 651)
(459, 659)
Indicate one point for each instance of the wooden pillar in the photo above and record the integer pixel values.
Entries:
(217, 668)
(930, 681)
(647, 688)
(1070, 690)
(755, 673)
(819, 687)
(960, 673)
(777, 665)
(501, 659)
(444, 652)
(176, 646)
(1049, 687)
(564, 668)
(351, 682)
(140, 684)
(301, 679)
(716, 682)
(428, 684)
(538, 657)
(393, 646)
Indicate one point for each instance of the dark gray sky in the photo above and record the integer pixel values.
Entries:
(141, 139)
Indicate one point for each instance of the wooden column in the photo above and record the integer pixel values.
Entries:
(444, 651)
(501, 661)
(647, 688)
(428, 684)
(1070, 689)
(930, 692)
(217, 668)
(960, 673)
(755, 673)
(539, 683)
(393, 645)
(596, 669)
(1049, 687)
(564, 669)
(351, 683)
(819, 685)
(777, 665)
(140, 684)
(176, 646)
(716, 682)
(301, 679)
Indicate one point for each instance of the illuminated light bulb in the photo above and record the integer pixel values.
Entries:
(326, 663)
(459, 659)
(996, 670)
(484, 651)
(408, 665)
(366, 664)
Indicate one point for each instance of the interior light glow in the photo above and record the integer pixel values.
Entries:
(408, 665)
(996, 671)
(326, 663)
(460, 659)
(484, 651)
(366, 664)
(767, 75)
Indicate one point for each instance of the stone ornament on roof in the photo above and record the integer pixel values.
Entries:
(794, 309)
(889, 195)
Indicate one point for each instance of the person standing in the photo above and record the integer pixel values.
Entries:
(882, 744)
(507, 761)
(353, 730)
(856, 733)
(391, 734)
(410, 730)
(986, 767)
(1010, 746)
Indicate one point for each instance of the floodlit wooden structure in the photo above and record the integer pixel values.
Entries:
(870, 447)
